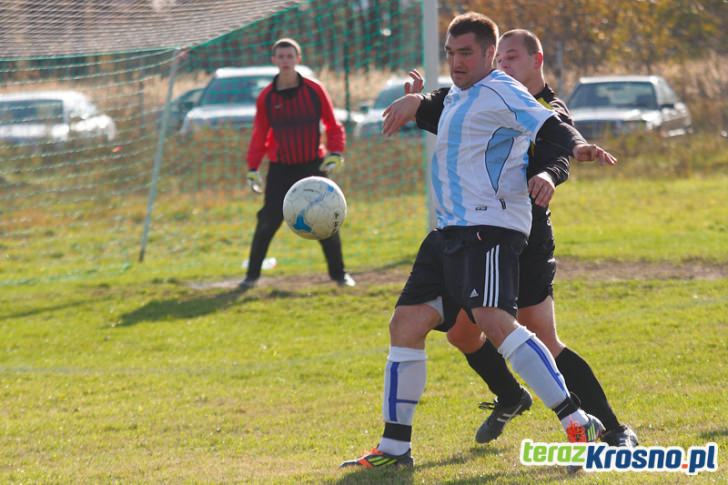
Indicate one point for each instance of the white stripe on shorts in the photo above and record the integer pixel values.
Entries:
(491, 286)
(486, 296)
(496, 264)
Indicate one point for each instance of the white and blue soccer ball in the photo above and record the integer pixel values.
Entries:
(314, 208)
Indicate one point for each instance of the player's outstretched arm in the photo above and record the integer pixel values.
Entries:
(587, 152)
(562, 135)
(394, 117)
(400, 112)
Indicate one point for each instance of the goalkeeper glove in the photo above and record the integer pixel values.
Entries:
(331, 163)
(254, 181)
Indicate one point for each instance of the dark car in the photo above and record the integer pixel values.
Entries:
(618, 105)
(178, 109)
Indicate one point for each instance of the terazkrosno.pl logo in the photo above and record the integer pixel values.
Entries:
(601, 457)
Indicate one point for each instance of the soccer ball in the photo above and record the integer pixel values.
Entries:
(314, 208)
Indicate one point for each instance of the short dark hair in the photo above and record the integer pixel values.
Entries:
(530, 40)
(485, 30)
(286, 42)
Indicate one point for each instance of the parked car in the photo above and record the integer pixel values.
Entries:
(371, 124)
(52, 118)
(178, 109)
(230, 95)
(617, 105)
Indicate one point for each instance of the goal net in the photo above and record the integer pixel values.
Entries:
(106, 145)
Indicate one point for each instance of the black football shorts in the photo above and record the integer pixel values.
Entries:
(537, 265)
(466, 267)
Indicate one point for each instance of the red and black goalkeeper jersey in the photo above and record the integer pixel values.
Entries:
(287, 125)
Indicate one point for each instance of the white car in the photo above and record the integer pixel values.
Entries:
(617, 105)
(230, 96)
(50, 119)
(371, 125)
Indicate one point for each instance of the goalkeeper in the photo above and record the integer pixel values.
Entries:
(288, 114)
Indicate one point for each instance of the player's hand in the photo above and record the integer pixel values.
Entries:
(254, 181)
(589, 153)
(331, 163)
(541, 187)
(417, 84)
(400, 112)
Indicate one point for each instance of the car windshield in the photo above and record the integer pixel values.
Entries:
(234, 90)
(191, 96)
(607, 95)
(31, 111)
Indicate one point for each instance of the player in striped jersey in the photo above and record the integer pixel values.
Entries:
(288, 115)
(470, 261)
(520, 55)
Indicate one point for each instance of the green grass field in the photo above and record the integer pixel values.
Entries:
(132, 376)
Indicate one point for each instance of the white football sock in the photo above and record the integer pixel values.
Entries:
(404, 383)
(533, 362)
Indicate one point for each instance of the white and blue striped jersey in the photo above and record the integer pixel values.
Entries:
(479, 166)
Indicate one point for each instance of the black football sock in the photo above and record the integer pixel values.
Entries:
(491, 367)
(580, 380)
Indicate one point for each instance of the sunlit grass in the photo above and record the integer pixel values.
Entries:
(134, 380)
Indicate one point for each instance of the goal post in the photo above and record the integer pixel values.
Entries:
(156, 167)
